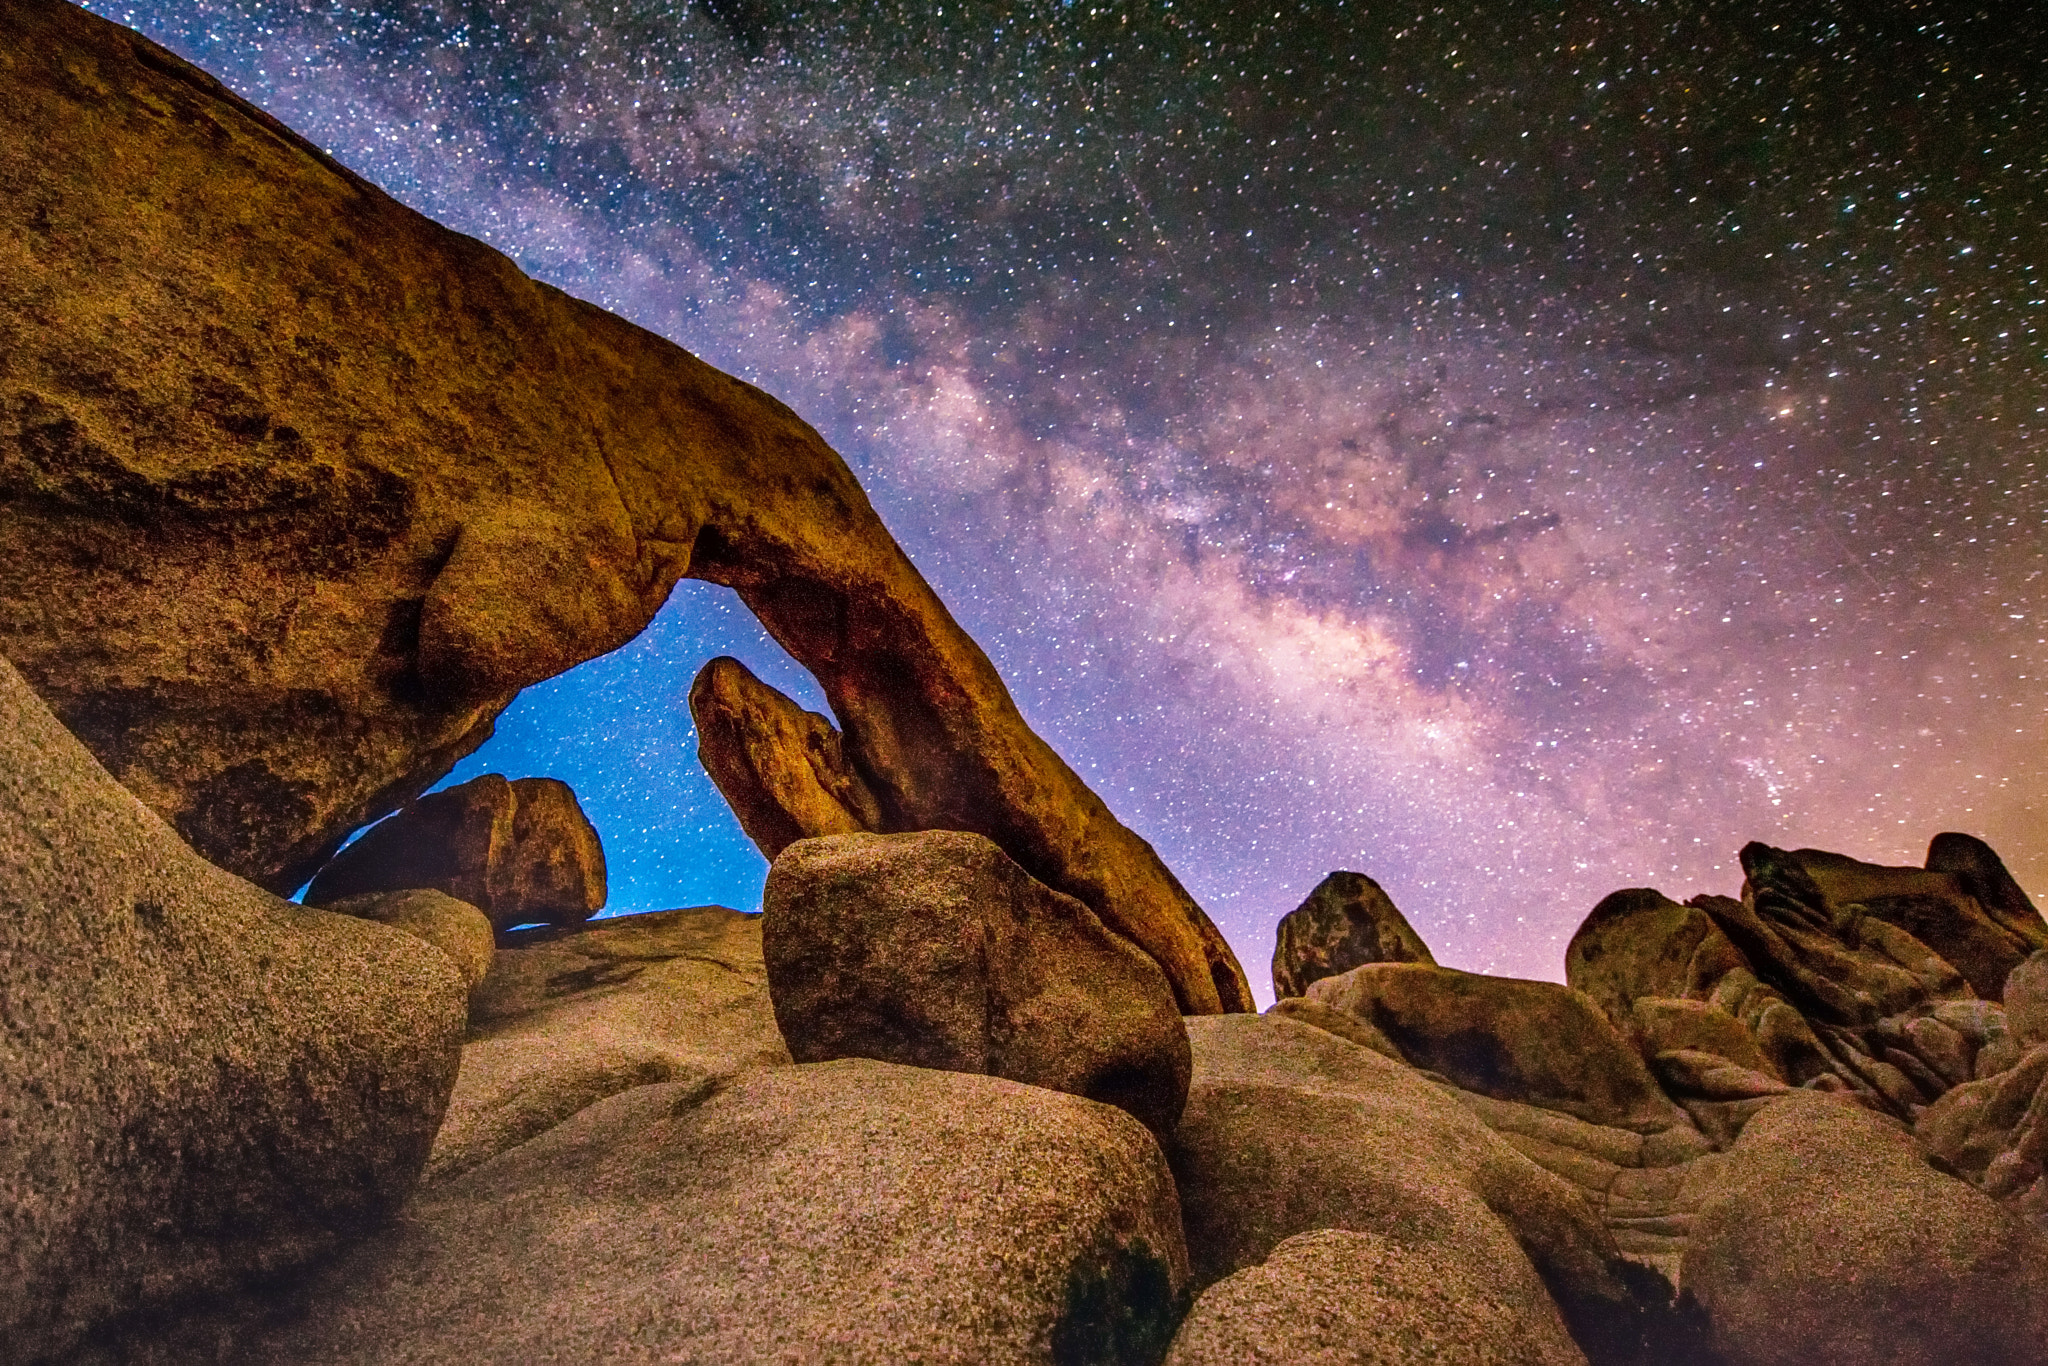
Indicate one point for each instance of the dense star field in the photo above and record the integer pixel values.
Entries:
(1515, 451)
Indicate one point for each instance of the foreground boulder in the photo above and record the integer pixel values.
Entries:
(567, 1017)
(521, 851)
(846, 1212)
(1290, 1129)
(394, 481)
(1347, 922)
(1536, 1042)
(199, 1083)
(937, 950)
(1337, 1298)
(1825, 1238)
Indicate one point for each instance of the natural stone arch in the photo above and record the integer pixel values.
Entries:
(298, 489)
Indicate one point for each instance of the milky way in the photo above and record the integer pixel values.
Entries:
(1516, 454)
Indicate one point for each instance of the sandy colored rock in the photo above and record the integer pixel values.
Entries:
(1932, 906)
(1639, 943)
(2026, 1001)
(1826, 1239)
(1347, 922)
(1518, 1040)
(298, 489)
(1337, 1298)
(782, 769)
(456, 928)
(521, 851)
(1290, 1129)
(199, 1082)
(1662, 1025)
(936, 950)
(839, 1213)
(1982, 875)
(570, 1016)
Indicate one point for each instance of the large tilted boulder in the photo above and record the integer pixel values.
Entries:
(1290, 1129)
(936, 950)
(782, 769)
(2026, 1001)
(199, 1083)
(567, 1017)
(1339, 1298)
(298, 489)
(521, 851)
(1825, 1238)
(847, 1212)
(1347, 922)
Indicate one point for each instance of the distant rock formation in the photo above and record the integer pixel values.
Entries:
(1347, 922)
(298, 489)
(936, 950)
(1731, 1085)
(521, 851)
(200, 1084)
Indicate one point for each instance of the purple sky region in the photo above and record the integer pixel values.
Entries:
(1514, 451)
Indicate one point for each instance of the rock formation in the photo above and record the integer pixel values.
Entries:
(523, 852)
(846, 1212)
(937, 950)
(567, 1017)
(782, 769)
(1347, 922)
(456, 928)
(1288, 1130)
(298, 489)
(200, 1084)
(1799, 1030)
(1826, 1239)
(1338, 1298)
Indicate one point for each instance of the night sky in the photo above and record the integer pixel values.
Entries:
(1515, 451)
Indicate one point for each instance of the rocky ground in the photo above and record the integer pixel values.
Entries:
(297, 489)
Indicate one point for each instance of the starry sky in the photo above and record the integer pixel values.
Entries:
(1516, 451)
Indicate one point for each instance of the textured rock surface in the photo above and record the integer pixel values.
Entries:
(936, 950)
(1811, 980)
(278, 452)
(521, 851)
(1982, 875)
(456, 928)
(1289, 1129)
(1515, 1040)
(1347, 922)
(1338, 1298)
(2026, 1001)
(198, 1082)
(1930, 905)
(1826, 1239)
(1994, 1132)
(568, 1017)
(846, 1212)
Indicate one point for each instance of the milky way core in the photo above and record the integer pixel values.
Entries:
(1514, 451)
